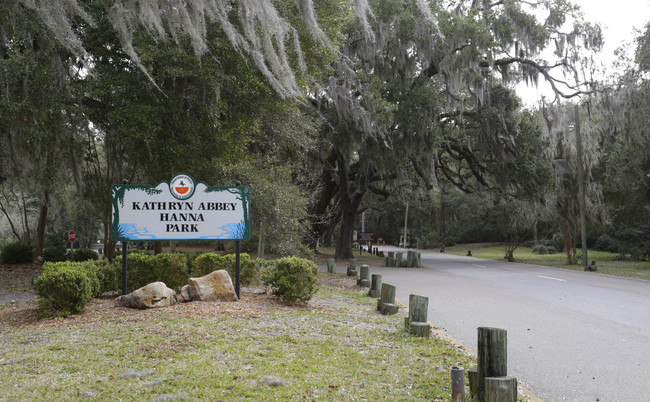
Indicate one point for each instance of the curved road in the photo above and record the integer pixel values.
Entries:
(572, 335)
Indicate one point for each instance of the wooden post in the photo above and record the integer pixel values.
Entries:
(390, 260)
(364, 279)
(352, 268)
(500, 389)
(386, 304)
(472, 377)
(421, 329)
(418, 260)
(418, 310)
(409, 258)
(375, 287)
(398, 259)
(331, 266)
(492, 356)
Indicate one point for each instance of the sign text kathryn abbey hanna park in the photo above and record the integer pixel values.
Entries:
(179, 210)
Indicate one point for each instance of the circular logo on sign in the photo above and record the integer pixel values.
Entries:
(182, 186)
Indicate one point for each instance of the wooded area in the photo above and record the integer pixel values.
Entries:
(326, 109)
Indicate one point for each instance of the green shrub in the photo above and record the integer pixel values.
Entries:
(54, 254)
(65, 288)
(142, 269)
(607, 243)
(17, 253)
(543, 249)
(248, 268)
(558, 241)
(109, 276)
(82, 254)
(292, 278)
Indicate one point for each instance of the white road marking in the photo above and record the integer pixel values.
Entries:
(480, 266)
(555, 279)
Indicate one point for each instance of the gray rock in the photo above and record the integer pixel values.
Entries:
(155, 294)
(274, 381)
(214, 286)
(185, 295)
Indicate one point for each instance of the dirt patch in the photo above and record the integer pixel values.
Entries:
(18, 277)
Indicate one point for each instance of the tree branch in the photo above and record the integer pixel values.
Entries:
(544, 70)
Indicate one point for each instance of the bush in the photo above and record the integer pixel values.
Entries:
(65, 288)
(109, 276)
(17, 253)
(543, 249)
(292, 278)
(82, 254)
(143, 269)
(558, 241)
(54, 254)
(607, 243)
(248, 268)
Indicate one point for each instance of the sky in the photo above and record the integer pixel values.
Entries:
(618, 19)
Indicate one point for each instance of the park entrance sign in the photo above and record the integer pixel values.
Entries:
(179, 210)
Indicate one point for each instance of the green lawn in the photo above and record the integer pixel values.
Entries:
(335, 348)
(606, 262)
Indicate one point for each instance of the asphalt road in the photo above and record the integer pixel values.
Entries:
(572, 335)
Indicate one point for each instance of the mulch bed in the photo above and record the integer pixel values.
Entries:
(253, 301)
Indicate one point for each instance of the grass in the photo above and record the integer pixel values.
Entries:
(607, 262)
(343, 351)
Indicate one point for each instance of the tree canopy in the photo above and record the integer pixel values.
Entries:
(329, 106)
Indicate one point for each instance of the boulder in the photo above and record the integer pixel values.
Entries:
(155, 294)
(185, 295)
(214, 286)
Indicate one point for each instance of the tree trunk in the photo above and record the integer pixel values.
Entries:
(441, 219)
(260, 241)
(28, 233)
(346, 232)
(11, 222)
(42, 220)
(317, 212)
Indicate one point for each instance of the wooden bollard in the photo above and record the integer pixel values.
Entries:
(352, 268)
(472, 377)
(386, 303)
(421, 329)
(375, 286)
(417, 319)
(492, 356)
(500, 389)
(409, 258)
(398, 259)
(364, 276)
(331, 266)
(390, 260)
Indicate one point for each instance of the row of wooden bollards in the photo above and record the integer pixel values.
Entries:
(488, 381)
(395, 259)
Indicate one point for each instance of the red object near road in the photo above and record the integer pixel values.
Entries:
(72, 236)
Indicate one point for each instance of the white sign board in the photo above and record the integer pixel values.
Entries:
(179, 210)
